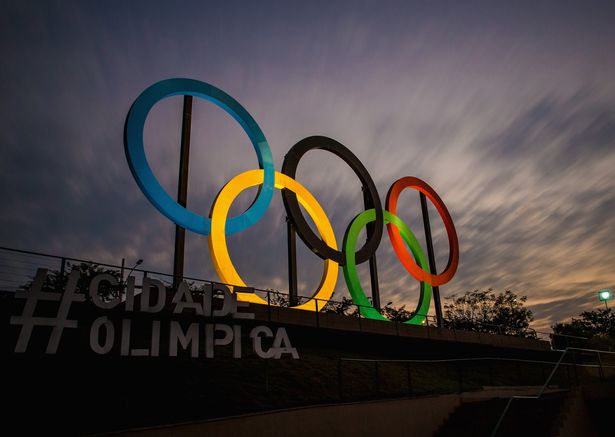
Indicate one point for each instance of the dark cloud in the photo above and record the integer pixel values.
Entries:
(560, 134)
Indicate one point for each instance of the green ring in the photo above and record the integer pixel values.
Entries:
(366, 309)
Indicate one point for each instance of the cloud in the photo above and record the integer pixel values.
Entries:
(511, 120)
(546, 220)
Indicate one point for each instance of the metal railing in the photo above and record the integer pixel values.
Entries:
(602, 375)
(18, 267)
(458, 375)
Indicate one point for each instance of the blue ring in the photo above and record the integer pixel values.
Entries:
(141, 171)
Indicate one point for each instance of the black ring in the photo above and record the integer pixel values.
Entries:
(313, 241)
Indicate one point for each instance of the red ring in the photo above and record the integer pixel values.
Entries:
(398, 244)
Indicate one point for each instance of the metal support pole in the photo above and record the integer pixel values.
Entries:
(292, 262)
(432, 260)
(373, 266)
(61, 281)
(269, 306)
(182, 191)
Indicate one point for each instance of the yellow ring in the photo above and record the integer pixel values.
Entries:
(218, 248)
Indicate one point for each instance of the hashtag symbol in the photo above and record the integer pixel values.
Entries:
(32, 296)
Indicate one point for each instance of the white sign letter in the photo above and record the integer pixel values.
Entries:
(95, 335)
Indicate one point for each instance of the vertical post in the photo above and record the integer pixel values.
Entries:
(432, 260)
(292, 262)
(62, 267)
(373, 266)
(600, 370)
(61, 282)
(182, 190)
(211, 298)
(122, 291)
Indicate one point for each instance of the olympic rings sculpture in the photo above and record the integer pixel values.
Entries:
(217, 226)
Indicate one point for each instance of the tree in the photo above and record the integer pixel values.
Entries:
(56, 279)
(395, 314)
(344, 307)
(276, 298)
(347, 307)
(598, 326)
(486, 311)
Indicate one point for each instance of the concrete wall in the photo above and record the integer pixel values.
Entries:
(403, 417)
(345, 323)
(575, 421)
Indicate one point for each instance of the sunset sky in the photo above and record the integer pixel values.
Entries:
(507, 109)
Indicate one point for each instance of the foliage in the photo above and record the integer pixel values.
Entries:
(277, 298)
(598, 326)
(56, 279)
(395, 314)
(486, 311)
(344, 307)
(348, 308)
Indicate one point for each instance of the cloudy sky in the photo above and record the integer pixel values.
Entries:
(506, 109)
